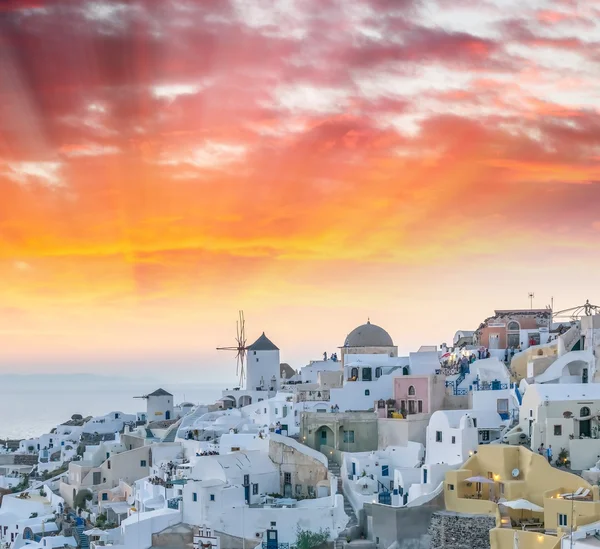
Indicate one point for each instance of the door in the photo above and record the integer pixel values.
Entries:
(168, 415)
(424, 475)
(585, 425)
(287, 491)
(247, 494)
(494, 341)
(584, 376)
(353, 468)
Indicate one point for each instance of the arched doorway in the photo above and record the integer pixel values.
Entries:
(324, 436)
(577, 368)
(244, 400)
(585, 425)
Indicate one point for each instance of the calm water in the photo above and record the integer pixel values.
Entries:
(30, 407)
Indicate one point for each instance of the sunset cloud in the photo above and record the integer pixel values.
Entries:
(288, 156)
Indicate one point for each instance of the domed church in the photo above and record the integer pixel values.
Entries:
(369, 339)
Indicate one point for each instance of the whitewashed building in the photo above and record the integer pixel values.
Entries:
(564, 416)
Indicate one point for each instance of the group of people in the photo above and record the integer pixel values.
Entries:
(546, 452)
(333, 357)
(509, 353)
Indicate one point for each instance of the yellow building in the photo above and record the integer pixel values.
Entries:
(498, 474)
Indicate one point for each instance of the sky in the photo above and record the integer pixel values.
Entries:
(166, 163)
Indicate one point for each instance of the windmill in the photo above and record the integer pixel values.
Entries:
(240, 348)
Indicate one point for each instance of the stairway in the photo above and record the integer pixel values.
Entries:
(334, 469)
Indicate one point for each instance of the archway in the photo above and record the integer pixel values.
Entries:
(577, 368)
(229, 402)
(244, 400)
(324, 436)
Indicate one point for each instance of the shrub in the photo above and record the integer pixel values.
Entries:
(81, 499)
(305, 539)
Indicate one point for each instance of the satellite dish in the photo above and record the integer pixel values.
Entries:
(515, 473)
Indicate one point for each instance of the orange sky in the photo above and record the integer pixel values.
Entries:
(164, 163)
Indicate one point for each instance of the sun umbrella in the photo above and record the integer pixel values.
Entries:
(481, 480)
(523, 505)
(95, 532)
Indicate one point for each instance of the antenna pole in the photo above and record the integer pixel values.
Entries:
(531, 296)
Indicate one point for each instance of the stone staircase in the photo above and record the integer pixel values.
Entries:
(339, 543)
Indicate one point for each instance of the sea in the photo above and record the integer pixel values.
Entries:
(32, 405)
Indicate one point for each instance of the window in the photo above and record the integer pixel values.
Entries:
(385, 471)
(257, 360)
(501, 488)
(323, 434)
(276, 411)
(108, 464)
(411, 406)
(235, 448)
(367, 374)
(349, 437)
(530, 413)
(246, 480)
(354, 373)
(558, 430)
(96, 478)
(104, 496)
(513, 326)
(562, 519)
(377, 372)
(453, 440)
(420, 406)
(194, 496)
(502, 406)
(438, 436)
(298, 490)
(411, 390)
(143, 463)
(485, 436)
(474, 422)
(584, 412)
(254, 352)
(367, 392)
(513, 340)
(107, 455)
(451, 487)
(255, 489)
(287, 478)
(212, 497)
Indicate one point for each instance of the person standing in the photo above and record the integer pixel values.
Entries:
(549, 453)
(541, 449)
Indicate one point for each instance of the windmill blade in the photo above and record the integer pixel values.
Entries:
(242, 337)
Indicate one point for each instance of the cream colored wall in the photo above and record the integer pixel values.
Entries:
(518, 365)
(584, 512)
(504, 538)
(536, 476)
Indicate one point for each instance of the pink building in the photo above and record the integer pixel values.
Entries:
(414, 394)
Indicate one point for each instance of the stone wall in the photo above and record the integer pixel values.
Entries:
(93, 439)
(304, 470)
(456, 531)
(26, 459)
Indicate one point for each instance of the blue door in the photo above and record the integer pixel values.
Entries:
(424, 476)
(353, 468)
(247, 494)
(168, 415)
